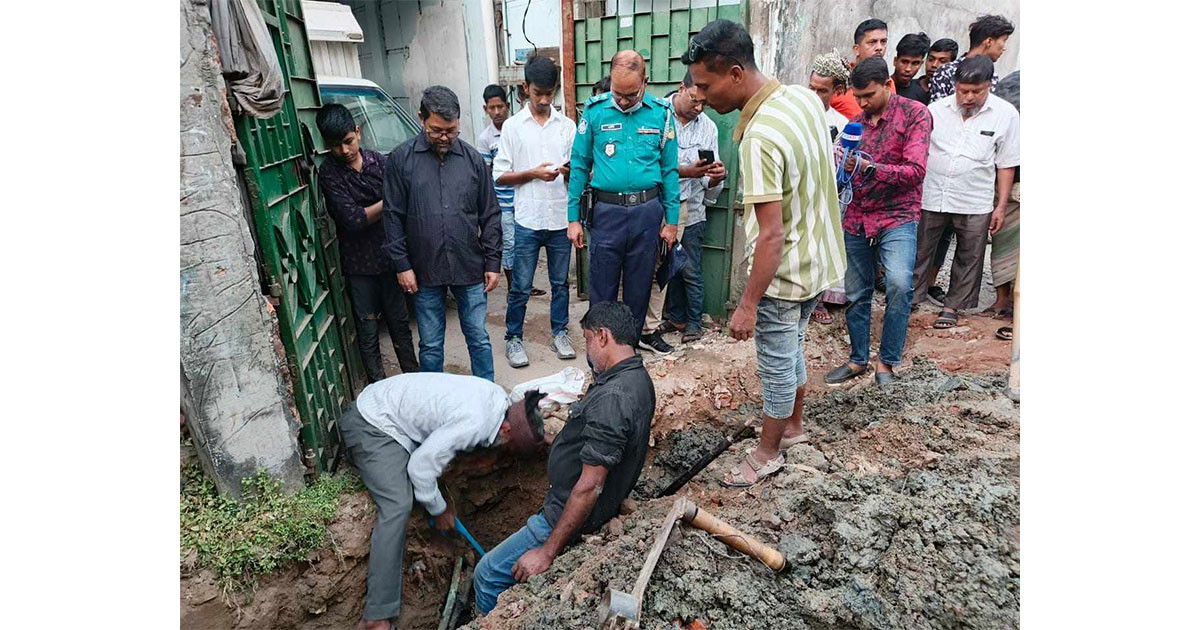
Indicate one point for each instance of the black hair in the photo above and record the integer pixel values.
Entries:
(602, 86)
(439, 100)
(542, 72)
(975, 70)
(494, 91)
(913, 45)
(615, 317)
(1009, 89)
(945, 44)
(687, 79)
(725, 44)
(994, 26)
(334, 121)
(868, 70)
(866, 27)
(533, 414)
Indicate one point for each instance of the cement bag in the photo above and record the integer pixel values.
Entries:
(561, 389)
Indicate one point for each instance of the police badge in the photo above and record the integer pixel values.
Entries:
(610, 149)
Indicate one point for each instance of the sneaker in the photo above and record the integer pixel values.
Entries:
(654, 343)
(562, 346)
(514, 351)
(937, 295)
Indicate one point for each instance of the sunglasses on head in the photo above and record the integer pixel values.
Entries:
(697, 50)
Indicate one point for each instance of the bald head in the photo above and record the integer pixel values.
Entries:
(630, 61)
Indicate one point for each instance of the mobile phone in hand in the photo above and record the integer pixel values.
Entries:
(707, 156)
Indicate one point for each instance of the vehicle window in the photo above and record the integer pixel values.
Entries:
(382, 126)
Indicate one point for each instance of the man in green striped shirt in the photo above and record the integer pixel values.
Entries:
(793, 236)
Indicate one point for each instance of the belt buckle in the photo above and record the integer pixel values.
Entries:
(633, 199)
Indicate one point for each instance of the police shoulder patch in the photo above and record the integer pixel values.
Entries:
(583, 125)
(597, 98)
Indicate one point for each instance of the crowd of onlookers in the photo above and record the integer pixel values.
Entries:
(859, 182)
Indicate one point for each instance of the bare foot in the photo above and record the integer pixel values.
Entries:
(381, 624)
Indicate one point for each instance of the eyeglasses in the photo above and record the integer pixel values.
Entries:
(449, 135)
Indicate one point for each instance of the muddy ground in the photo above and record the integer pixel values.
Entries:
(903, 513)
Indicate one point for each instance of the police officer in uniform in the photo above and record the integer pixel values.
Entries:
(626, 139)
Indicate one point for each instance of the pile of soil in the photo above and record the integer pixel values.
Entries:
(904, 513)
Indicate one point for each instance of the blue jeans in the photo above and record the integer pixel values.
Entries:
(507, 221)
(685, 293)
(897, 250)
(430, 305)
(493, 574)
(779, 345)
(527, 244)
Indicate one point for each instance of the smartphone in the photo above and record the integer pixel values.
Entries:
(707, 156)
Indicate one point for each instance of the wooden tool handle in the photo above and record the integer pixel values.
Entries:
(732, 537)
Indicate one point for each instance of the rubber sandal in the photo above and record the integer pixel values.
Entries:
(1005, 333)
(1004, 313)
(945, 320)
(760, 472)
(822, 316)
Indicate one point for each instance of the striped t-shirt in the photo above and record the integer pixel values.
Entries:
(488, 144)
(785, 155)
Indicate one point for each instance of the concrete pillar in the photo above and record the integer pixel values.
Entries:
(233, 390)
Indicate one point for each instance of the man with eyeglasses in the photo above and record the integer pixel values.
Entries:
(442, 225)
(626, 139)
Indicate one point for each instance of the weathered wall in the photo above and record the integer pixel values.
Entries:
(232, 387)
(789, 33)
(410, 46)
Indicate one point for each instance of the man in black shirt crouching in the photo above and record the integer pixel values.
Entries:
(594, 460)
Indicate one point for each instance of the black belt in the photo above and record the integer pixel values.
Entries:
(626, 199)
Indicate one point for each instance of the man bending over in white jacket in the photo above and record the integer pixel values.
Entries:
(400, 434)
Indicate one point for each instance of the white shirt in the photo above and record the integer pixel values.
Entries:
(524, 144)
(488, 140)
(700, 133)
(835, 119)
(434, 416)
(960, 176)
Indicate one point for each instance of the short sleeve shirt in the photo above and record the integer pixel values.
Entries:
(609, 427)
(960, 177)
(785, 155)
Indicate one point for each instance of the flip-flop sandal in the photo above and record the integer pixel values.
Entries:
(945, 320)
(1004, 313)
(537, 292)
(822, 316)
(786, 443)
(760, 472)
(1005, 333)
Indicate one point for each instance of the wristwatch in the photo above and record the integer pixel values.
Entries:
(869, 171)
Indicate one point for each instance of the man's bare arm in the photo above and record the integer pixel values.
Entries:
(579, 506)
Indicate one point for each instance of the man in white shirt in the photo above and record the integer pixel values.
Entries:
(699, 183)
(973, 152)
(534, 157)
(400, 434)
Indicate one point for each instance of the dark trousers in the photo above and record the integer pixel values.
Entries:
(370, 297)
(966, 272)
(383, 465)
(622, 251)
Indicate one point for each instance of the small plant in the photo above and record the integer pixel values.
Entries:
(266, 531)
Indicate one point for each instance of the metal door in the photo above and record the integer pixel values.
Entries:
(662, 37)
(298, 243)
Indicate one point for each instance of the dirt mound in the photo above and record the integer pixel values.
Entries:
(903, 514)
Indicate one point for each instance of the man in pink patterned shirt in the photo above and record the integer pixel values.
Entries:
(881, 221)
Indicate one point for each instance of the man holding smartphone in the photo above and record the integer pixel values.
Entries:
(701, 178)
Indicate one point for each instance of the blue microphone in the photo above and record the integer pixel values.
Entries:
(851, 139)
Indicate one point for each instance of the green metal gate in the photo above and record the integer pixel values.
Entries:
(298, 242)
(662, 37)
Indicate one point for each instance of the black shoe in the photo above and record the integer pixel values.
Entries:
(840, 375)
(937, 294)
(654, 343)
(884, 378)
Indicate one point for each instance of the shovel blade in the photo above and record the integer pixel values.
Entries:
(618, 610)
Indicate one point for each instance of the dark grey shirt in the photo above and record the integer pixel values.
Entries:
(440, 217)
(609, 427)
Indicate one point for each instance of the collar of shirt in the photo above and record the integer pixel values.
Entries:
(987, 105)
(526, 114)
(751, 107)
(423, 144)
(632, 363)
(369, 159)
(647, 100)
